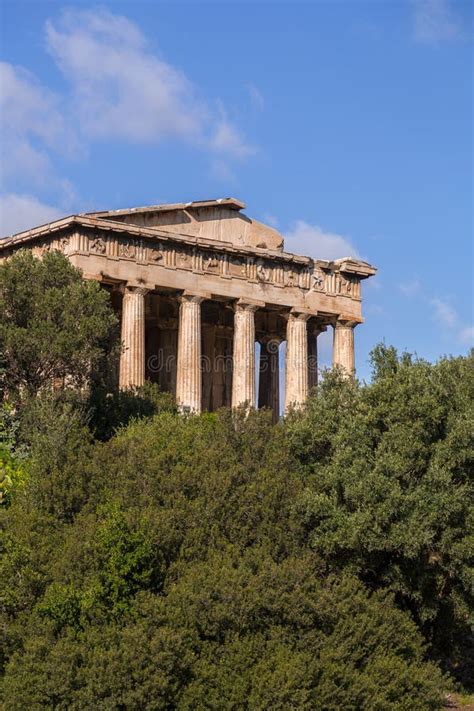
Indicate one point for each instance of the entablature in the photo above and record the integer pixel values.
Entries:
(117, 253)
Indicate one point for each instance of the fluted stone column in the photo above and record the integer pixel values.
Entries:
(296, 380)
(313, 333)
(243, 370)
(343, 345)
(132, 359)
(188, 375)
(269, 376)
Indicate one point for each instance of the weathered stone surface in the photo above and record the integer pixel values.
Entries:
(189, 380)
(132, 361)
(252, 289)
(296, 381)
(243, 377)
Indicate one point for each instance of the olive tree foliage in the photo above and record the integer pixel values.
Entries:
(220, 562)
(53, 324)
(389, 492)
(167, 568)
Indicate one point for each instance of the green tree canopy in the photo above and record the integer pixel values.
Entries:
(220, 562)
(53, 324)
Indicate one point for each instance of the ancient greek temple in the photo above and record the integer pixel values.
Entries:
(196, 286)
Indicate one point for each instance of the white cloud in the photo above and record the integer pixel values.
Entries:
(447, 315)
(122, 90)
(311, 240)
(444, 313)
(32, 125)
(436, 21)
(227, 139)
(21, 212)
(119, 88)
(116, 89)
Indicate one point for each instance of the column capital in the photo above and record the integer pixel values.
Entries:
(298, 314)
(248, 305)
(130, 288)
(347, 321)
(192, 297)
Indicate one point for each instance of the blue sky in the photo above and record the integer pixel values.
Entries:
(347, 125)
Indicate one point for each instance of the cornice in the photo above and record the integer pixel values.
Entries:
(348, 265)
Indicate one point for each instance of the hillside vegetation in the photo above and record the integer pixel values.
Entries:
(156, 561)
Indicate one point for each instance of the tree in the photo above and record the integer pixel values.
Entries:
(390, 490)
(219, 561)
(166, 568)
(53, 324)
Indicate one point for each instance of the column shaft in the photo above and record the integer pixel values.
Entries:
(132, 359)
(243, 372)
(189, 377)
(296, 381)
(343, 346)
(313, 333)
(269, 377)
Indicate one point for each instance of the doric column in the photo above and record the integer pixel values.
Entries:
(313, 332)
(132, 359)
(188, 375)
(269, 376)
(243, 370)
(343, 345)
(296, 381)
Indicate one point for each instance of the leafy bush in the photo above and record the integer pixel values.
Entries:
(222, 562)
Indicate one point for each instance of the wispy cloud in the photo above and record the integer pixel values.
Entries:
(410, 288)
(228, 139)
(437, 21)
(20, 212)
(121, 89)
(118, 89)
(446, 315)
(256, 97)
(33, 126)
(313, 241)
(443, 312)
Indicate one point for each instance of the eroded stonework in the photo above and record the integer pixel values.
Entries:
(221, 264)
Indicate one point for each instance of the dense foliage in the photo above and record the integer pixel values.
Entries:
(53, 324)
(155, 561)
(222, 562)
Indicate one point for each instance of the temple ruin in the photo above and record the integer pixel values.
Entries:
(196, 286)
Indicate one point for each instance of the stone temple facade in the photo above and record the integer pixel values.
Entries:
(196, 286)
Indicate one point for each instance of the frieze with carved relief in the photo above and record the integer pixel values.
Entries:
(201, 260)
(97, 245)
(127, 249)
